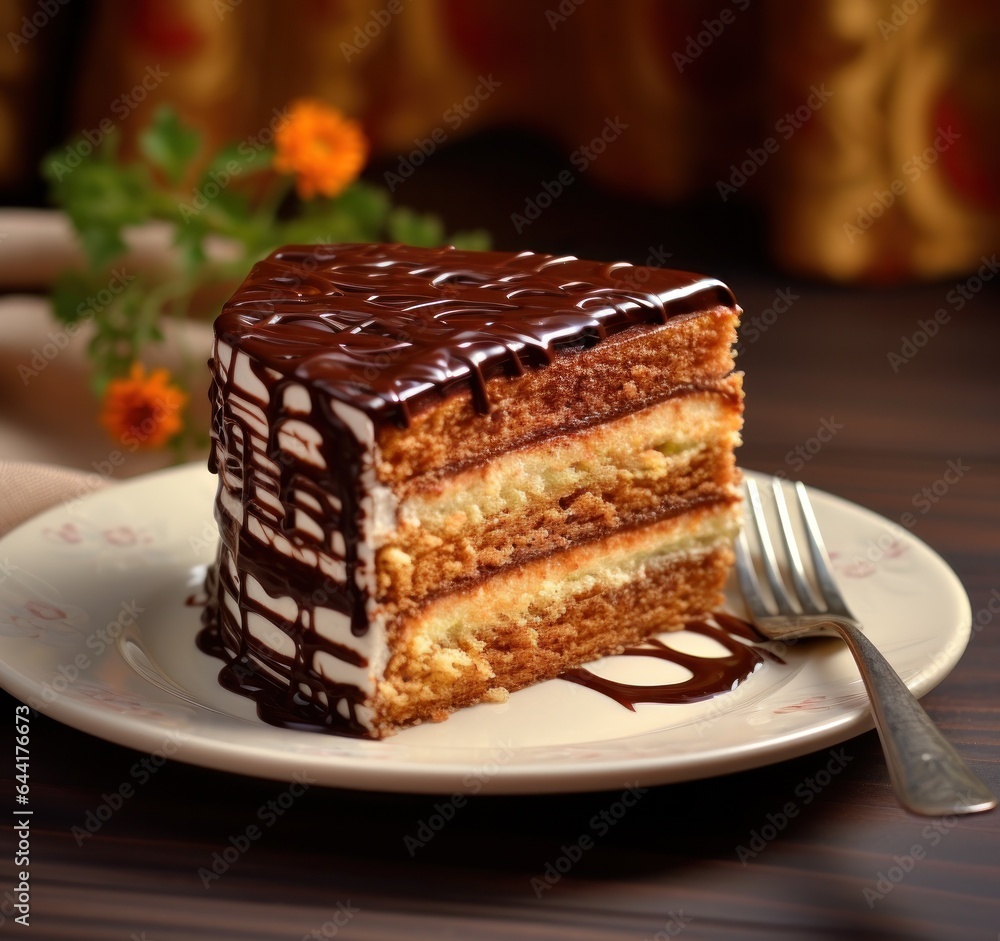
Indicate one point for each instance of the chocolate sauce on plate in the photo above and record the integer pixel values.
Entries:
(710, 676)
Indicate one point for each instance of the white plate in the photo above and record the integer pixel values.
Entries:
(95, 632)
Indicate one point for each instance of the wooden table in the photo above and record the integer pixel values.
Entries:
(336, 864)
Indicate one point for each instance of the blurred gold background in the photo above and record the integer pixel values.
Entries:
(866, 133)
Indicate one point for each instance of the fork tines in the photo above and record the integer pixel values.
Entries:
(802, 599)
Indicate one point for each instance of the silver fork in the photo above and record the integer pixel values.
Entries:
(927, 774)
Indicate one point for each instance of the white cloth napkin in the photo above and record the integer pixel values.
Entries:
(27, 489)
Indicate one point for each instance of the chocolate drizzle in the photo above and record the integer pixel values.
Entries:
(310, 700)
(366, 334)
(710, 676)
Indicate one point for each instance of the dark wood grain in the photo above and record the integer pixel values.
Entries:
(672, 866)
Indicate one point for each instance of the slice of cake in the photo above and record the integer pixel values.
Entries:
(445, 475)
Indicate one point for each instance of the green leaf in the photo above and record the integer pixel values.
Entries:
(326, 228)
(108, 195)
(69, 296)
(234, 208)
(100, 200)
(109, 147)
(237, 160)
(411, 228)
(118, 335)
(101, 243)
(190, 240)
(476, 240)
(367, 205)
(168, 144)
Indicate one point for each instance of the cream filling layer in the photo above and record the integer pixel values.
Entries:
(637, 450)
(541, 591)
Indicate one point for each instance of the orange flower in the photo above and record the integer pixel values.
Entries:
(143, 410)
(324, 150)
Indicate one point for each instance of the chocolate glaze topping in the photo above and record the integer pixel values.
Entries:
(385, 330)
(384, 327)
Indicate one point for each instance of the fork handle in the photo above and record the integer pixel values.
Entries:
(927, 774)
